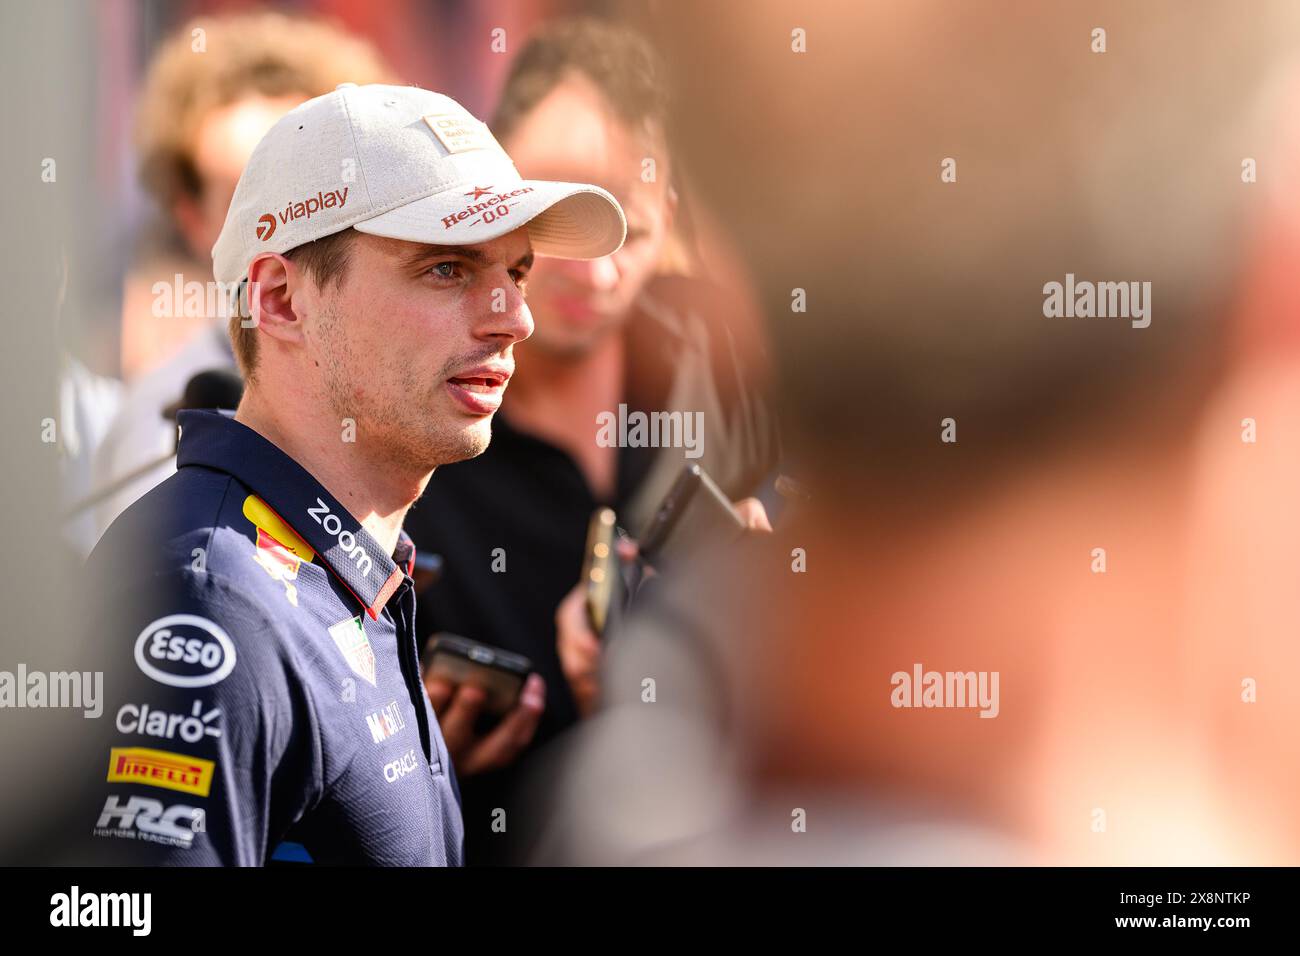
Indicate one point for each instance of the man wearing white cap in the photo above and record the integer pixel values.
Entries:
(380, 240)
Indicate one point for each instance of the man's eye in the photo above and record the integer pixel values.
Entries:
(445, 270)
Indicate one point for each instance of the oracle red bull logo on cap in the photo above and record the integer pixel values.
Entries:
(303, 209)
(494, 207)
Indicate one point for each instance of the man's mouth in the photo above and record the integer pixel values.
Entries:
(480, 390)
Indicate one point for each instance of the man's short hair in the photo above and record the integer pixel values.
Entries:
(325, 261)
(620, 62)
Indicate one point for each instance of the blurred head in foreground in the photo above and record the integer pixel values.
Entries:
(1101, 511)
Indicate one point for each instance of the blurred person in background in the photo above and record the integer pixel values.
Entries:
(213, 89)
(584, 99)
(1101, 510)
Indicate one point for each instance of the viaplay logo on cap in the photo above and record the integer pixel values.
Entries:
(302, 209)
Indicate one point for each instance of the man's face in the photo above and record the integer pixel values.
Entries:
(575, 302)
(416, 345)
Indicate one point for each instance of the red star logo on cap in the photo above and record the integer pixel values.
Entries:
(479, 191)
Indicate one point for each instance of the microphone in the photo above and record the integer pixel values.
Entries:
(213, 388)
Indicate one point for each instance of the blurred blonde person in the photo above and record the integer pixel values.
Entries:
(213, 89)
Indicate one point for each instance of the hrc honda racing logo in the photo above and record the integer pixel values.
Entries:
(141, 818)
(303, 209)
(494, 207)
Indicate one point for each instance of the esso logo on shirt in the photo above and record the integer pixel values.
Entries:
(185, 650)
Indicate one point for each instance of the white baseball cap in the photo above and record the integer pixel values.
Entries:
(405, 163)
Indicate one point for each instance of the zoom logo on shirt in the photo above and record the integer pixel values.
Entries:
(185, 650)
(347, 540)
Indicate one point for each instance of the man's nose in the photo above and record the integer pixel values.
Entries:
(507, 316)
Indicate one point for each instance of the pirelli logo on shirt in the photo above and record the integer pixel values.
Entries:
(160, 768)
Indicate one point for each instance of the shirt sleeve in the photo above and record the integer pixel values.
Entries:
(211, 747)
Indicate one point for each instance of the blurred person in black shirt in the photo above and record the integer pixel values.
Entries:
(609, 332)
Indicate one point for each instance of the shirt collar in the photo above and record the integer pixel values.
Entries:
(215, 440)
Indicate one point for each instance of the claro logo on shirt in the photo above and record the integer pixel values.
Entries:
(185, 650)
(153, 722)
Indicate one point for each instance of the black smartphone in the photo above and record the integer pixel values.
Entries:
(499, 673)
(693, 514)
(600, 570)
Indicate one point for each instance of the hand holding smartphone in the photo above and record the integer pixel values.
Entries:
(500, 674)
(695, 514)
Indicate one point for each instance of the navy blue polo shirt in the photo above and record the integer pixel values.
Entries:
(269, 693)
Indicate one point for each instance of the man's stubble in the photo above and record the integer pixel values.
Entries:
(399, 418)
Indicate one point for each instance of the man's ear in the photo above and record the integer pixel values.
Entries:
(272, 283)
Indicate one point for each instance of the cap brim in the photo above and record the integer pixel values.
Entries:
(570, 220)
